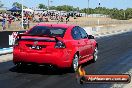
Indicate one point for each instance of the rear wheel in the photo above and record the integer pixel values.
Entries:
(74, 66)
(20, 65)
(95, 55)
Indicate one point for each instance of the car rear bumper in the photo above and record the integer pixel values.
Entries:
(59, 59)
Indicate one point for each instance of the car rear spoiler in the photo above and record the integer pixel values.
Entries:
(19, 36)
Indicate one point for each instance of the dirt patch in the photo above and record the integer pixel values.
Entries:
(81, 21)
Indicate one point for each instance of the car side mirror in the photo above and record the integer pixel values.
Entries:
(90, 37)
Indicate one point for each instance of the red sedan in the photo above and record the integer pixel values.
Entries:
(59, 45)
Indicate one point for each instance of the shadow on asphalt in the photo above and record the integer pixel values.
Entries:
(87, 63)
(44, 70)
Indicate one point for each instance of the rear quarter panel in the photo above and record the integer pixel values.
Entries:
(70, 43)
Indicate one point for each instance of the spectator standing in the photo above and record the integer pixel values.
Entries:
(28, 23)
(3, 24)
(25, 23)
(67, 19)
(62, 19)
(9, 22)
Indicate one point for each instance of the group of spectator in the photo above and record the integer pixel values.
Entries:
(45, 17)
(28, 17)
(9, 18)
(6, 18)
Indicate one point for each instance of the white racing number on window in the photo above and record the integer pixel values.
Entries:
(12, 38)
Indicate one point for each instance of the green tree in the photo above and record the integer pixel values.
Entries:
(128, 13)
(66, 8)
(18, 5)
(52, 8)
(59, 8)
(42, 6)
(113, 13)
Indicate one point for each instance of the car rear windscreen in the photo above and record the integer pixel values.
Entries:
(50, 31)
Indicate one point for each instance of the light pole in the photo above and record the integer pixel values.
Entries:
(48, 4)
(99, 14)
(22, 14)
(88, 8)
(51, 3)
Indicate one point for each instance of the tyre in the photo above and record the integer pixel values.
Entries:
(20, 65)
(95, 55)
(74, 66)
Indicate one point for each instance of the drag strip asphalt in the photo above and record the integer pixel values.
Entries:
(115, 57)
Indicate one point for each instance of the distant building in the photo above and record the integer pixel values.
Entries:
(83, 14)
(98, 15)
(28, 10)
(37, 10)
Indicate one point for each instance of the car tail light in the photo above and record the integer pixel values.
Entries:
(60, 44)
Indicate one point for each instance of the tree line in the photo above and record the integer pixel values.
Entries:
(114, 13)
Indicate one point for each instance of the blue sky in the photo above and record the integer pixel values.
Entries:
(121, 4)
